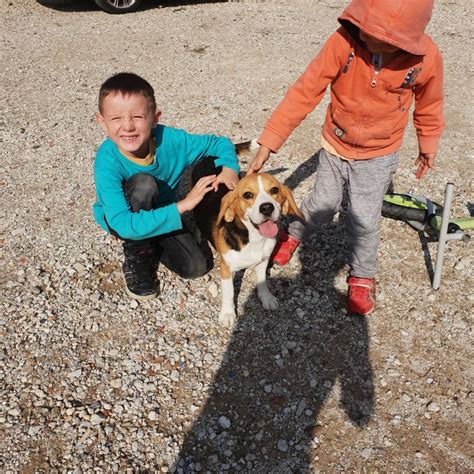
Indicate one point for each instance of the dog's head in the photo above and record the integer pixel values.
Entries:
(259, 199)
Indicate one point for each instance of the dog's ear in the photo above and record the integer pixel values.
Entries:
(227, 207)
(289, 205)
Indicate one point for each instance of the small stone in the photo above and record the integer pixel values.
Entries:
(116, 383)
(282, 445)
(366, 453)
(224, 422)
(81, 269)
(96, 419)
(174, 375)
(75, 374)
(464, 263)
(300, 408)
(434, 407)
(213, 291)
(153, 416)
(95, 297)
(34, 430)
(39, 393)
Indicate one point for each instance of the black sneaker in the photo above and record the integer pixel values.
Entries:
(139, 271)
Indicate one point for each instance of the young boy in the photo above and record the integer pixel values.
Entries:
(137, 170)
(376, 62)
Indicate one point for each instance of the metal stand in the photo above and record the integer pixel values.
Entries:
(445, 232)
(444, 237)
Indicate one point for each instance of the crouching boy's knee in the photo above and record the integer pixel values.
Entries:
(197, 268)
(141, 191)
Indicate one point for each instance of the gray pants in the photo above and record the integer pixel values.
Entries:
(367, 181)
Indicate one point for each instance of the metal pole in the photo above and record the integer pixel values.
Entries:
(443, 233)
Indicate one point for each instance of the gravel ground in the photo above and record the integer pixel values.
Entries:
(93, 381)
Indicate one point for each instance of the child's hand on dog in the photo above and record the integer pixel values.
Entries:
(228, 177)
(259, 160)
(195, 196)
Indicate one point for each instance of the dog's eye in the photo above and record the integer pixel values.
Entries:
(248, 195)
(274, 190)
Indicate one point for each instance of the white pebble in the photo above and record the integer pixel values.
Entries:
(282, 445)
(224, 422)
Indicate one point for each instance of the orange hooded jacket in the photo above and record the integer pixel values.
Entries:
(369, 110)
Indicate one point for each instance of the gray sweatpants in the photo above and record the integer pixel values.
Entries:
(367, 181)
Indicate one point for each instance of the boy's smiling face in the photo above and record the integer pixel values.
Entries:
(128, 120)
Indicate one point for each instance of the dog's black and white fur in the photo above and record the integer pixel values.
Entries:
(242, 225)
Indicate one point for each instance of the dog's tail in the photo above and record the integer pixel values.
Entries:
(244, 148)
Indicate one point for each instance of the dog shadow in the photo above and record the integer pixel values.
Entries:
(280, 368)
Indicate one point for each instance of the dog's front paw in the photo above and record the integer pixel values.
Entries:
(227, 318)
(269, 301)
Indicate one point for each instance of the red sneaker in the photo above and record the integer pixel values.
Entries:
(284, 248)
(360, 295)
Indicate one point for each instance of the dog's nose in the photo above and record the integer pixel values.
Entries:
(267, 208)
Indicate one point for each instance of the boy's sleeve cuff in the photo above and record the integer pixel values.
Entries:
(428, 144)
(175, 221)
(271, 140)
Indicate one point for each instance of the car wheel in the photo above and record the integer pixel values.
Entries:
(119, 6)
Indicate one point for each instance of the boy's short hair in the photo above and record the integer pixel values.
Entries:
(127, 83)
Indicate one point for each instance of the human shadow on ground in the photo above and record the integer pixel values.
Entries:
(279, 370)
(90, 5)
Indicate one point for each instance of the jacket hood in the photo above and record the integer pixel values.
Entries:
(400, 23)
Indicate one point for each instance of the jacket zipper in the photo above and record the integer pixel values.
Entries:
(377, 63)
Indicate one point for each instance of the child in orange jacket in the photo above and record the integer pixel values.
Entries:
(376, 62)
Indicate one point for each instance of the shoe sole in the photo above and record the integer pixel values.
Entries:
(361, 314)
(139, 297)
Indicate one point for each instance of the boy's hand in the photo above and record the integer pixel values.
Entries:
(259, 160)
(228, 177)
(194, 197)
(425, 162)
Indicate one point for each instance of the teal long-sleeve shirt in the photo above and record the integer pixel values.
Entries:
(175, 151)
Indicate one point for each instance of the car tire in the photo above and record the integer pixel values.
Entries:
(119, 6)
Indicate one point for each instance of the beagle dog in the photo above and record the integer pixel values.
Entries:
(242, 225)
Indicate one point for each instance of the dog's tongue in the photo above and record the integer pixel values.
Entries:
(268, 229)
